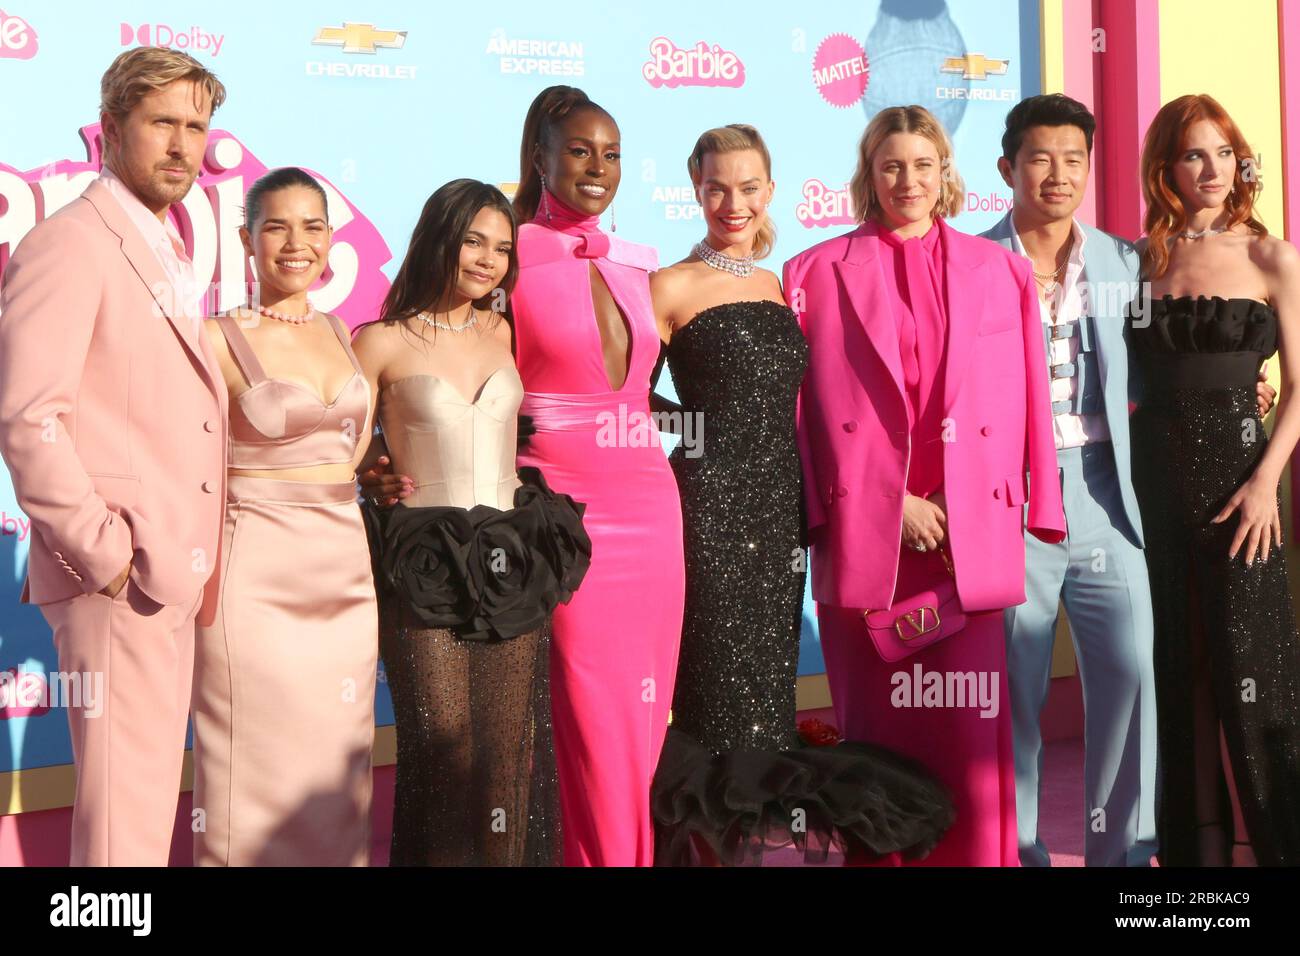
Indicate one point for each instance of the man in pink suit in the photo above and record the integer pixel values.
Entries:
(113, 426)
(924, 424)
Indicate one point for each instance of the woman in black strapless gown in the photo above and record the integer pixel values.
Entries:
(1197, 438)
(1227, 654)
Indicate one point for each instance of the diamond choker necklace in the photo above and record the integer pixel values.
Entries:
(714, 259)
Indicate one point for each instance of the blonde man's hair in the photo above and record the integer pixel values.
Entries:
(732, 139)
(147, 69)
(905, 119)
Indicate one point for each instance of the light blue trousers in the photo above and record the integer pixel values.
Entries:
(1101, 577)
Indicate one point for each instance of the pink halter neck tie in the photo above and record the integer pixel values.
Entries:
(593, 243)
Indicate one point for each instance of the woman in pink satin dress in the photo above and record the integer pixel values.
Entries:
(284, 678)
(586, 343)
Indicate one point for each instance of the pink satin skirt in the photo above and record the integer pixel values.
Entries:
(284, 682)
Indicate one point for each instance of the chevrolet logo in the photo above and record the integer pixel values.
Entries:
(974, 66)
(360, 38)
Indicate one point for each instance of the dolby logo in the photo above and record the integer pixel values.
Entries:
(189, 39)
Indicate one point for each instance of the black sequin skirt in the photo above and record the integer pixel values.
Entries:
(1195, 442)
(482, 573)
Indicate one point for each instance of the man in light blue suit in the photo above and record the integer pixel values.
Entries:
(1086, 280)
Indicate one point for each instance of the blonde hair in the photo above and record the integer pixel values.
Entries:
(905, 119)
(732, 139)
(147, 69)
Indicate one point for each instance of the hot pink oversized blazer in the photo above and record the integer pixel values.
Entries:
(853, 428)
(112, 414)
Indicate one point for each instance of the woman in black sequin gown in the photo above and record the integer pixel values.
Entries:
(733, 776)
(1227, 654)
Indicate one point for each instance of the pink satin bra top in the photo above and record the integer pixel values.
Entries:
(459, 453)
(277, 424)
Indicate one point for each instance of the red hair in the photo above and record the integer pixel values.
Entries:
(1166, 214)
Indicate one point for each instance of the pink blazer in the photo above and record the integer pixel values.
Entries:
(853, 431)
(112, 417)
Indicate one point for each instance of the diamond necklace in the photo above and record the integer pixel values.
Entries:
(429, 320)
(1203, 233)
(743, 267)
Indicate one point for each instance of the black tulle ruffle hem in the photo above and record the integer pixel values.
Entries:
(731, 808)
(483, 573)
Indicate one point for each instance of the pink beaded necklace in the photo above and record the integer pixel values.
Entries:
(284, 316)
(291, 319)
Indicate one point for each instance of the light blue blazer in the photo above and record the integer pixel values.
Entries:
(1110, 269)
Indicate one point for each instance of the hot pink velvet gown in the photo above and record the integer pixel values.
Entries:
(614, 646)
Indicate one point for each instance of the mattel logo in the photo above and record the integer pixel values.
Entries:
(17, 38)
(700, 65)
(160, 34)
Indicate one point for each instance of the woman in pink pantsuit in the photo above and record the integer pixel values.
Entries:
(924, 409)
(586, 342)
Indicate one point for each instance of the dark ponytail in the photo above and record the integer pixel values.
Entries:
(273, 182)
(552, 107)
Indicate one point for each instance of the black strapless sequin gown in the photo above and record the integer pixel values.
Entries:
(1197, 438)
(733, 775)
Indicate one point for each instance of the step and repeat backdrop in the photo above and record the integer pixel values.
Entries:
(384, 102)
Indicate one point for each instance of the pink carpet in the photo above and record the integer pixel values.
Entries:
(41, 838)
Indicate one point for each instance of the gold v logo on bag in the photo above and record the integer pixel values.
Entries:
(914, 624)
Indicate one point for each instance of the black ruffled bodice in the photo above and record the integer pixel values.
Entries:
(1206, 324)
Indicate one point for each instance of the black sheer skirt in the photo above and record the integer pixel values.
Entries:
(476, 780)
(465, 602)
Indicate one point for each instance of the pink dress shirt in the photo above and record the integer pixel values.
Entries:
(161, 237)
(912, 269)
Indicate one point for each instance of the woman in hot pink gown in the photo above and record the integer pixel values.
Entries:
(586, 343)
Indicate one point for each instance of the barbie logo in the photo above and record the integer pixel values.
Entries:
(701, 65)
(824, 206)
(17, 38)
(209, 219)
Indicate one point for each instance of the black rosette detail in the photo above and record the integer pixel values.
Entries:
(565, 543)
(487, 574)
(426, 561)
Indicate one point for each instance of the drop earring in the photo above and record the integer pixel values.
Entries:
(546, 206)
(613, 223)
